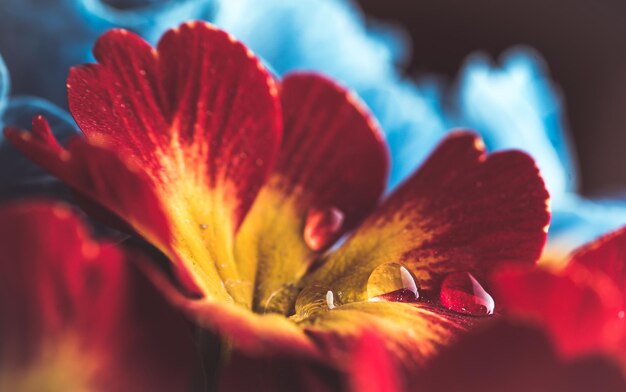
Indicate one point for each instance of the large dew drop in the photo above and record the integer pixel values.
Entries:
(462, 293)
(322, 227)
(392, 282)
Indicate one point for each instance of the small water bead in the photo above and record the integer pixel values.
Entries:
(462, 293)
(322, 227)
(392, 282)
(315, 299)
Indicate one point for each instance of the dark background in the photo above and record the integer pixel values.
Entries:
(583, 42)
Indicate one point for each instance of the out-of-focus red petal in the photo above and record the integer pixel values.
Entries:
(98, 173)
(607, 255)
(255, 334)
(370, 368)
(284, 374)
(199, 110)
(74, 316)
(332, 161)
(514, 358)
(461, 211)
(579, 308)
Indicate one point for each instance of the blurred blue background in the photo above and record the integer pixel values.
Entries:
(524, 74)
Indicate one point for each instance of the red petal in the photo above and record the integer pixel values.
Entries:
(577, 307)
(461, 211)
(371, 368)
(70, 306)
(100, 174)
(332, 152)
(607, 255)
(332, 160)
(200, 109)
(514, 358)
(277, 375)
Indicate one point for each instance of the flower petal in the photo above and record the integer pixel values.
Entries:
(330, 142)
(606, 255)
(20, 177)
(414, 333)
(74, 316)
(251, 333)
(371, 367)
(278, 375)
(462, 211)
(516, 358)
(200, 117)
(199, 111)
(588, 323)
(5, 85)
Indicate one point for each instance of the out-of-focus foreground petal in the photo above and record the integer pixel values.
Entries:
(582, 305)
(283, 374)
(606, 255)
(514, 358)
(76, 315)
(19, 177)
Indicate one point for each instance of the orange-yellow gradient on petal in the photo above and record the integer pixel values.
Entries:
(330, 141)
(185, 139)
(201, 117)
(461, 211)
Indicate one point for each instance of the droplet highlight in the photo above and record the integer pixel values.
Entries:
(462, 293)
(315, 299)
(392, 282)
(322, 227)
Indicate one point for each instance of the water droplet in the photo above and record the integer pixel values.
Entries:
(392, 282)
(204, 226)
(315, 299)
(322, 227)
(462, 293)
(621, 314)
(330, 299)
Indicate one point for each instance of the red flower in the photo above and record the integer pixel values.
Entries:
(186, 140)
(76, 316)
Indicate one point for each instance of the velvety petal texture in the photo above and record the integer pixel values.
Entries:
(329, 141)
(204, 148)
(186, 139)
(75, 314)
(513, 103)
(461, 211)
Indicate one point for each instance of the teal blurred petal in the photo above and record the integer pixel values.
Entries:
(577, 221)
(515, 105)
(5, 86)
